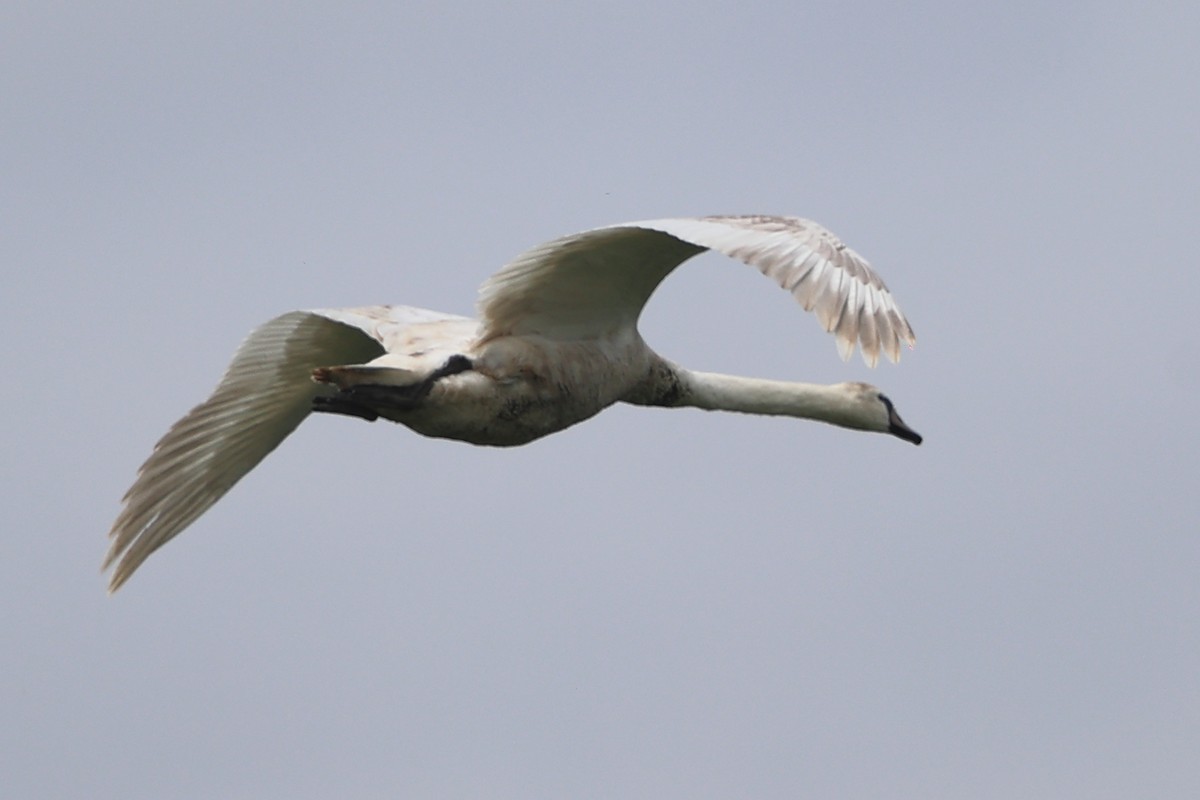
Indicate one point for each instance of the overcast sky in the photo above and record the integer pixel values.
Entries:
(654, 603)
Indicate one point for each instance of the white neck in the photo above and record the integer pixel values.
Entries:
(716, 392)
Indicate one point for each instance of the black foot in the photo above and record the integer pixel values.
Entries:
(362, 399)
(340, 405)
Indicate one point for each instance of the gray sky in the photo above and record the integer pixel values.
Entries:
(655, 603)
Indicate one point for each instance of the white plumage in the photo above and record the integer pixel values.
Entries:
(556, 342)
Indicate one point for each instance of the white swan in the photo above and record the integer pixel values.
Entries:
(556, 343)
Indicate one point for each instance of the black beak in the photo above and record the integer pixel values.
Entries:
(896, 427)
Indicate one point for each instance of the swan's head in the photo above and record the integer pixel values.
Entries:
(872, 410)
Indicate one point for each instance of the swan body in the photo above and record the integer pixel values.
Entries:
(556, 342)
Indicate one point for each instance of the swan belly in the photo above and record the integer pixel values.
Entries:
(479, 409)
(459, 401)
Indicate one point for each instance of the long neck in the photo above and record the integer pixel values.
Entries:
(716, 392)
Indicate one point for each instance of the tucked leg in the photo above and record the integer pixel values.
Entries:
(362, 398)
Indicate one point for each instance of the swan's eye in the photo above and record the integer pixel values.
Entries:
(883, 398)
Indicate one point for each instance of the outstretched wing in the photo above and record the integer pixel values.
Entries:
(265, 393)
(590, 283)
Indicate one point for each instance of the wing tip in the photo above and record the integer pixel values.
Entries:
(117, 559)
(117, 578)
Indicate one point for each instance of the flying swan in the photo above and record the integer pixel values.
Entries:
(556, 342)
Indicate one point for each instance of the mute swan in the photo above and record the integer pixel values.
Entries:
(556, 342)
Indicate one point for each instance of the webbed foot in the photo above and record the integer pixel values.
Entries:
(340, 405)
(364, 400)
